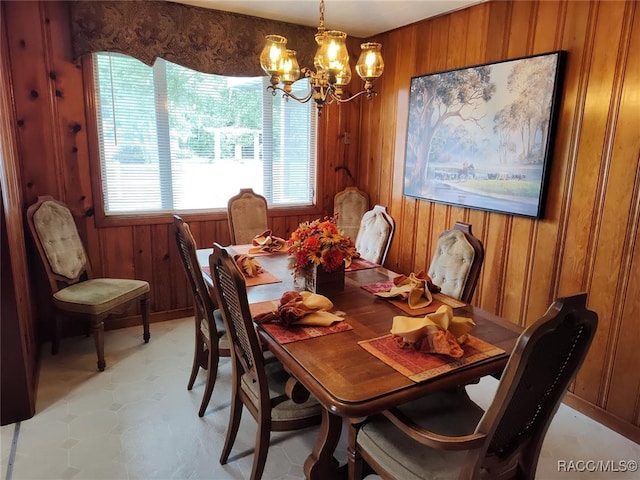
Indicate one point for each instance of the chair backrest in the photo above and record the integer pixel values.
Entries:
(350, 205)
(375, 235)
(455, 266)
(55, 234)
(248, 216)
(231, 294)
(202, 301)
(543, 363)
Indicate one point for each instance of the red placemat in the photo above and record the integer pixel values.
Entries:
(439, 299)
(360, 264)
(422, 366)
(295, 333)
(260, 279)
(379, 286)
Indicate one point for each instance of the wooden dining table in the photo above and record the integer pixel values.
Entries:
(348, 381)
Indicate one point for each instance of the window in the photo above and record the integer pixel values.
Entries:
(173, 139)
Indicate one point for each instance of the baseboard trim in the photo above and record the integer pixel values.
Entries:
(132, 321)
(607, 419)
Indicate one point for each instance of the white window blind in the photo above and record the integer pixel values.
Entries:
(173, 139)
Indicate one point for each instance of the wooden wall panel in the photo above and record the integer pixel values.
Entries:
(587, 239)
(52, 107)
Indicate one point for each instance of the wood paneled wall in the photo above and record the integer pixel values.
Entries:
(589, 238)
(52, 106)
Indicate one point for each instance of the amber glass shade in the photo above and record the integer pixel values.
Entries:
(344, 77)
(272, 53)
(289, 69)
(370, 64)
(332, 56)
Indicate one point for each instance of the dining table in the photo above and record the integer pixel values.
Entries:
(344, 371)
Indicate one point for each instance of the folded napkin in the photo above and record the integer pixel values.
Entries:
(249, 266)
(439, 332)
(266, 242)
(301, 308)
(416, 289)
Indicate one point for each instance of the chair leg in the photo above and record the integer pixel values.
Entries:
(197, 355)
(145, 310)
(355, 463)
(98, 336)
(234, 423)
(261, 451)
(212, 373)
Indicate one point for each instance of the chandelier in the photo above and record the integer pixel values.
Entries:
(332, 70)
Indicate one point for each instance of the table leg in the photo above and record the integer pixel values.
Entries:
(321, 465)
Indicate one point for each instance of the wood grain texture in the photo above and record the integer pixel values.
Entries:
(584, 242)
(587, 241)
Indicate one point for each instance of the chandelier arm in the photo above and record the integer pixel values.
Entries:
(369, 93)
(286, 94)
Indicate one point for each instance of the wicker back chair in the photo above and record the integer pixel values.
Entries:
(257, 384)
(211, 341)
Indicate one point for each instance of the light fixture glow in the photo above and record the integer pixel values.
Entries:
(332, 69)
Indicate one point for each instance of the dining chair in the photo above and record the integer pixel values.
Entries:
(258, 385)
(349, 206)
(248, 216)
(375, 234)
(456, 262)
(446, 435)
(75, 293)
(211, 341)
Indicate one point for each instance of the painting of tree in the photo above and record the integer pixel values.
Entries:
(480, 136)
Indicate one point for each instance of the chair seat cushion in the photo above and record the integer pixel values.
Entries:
(451, 414)
(223, 339)
(282, 407)
(99, 295)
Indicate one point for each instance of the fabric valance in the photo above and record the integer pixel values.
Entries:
(209, 41)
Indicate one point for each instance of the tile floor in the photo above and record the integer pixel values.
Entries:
(136, 420)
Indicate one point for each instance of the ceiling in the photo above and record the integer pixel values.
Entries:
(358, 18)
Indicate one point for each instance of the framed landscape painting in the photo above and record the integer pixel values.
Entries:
(481, 136)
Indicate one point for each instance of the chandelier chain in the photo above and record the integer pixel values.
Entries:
(321, 27)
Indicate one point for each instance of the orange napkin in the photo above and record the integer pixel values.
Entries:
(248, 265)
(266, 242)
(416, 289)
(301, 308)
(439, 332)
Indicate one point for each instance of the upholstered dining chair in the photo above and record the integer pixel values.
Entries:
(211, 340)
(446, 435)
(257, 385)
(75, 293)
(456, 262)
(350, 205)
(248, 216)
(375, 234)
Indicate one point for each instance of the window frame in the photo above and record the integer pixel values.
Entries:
(152, 218)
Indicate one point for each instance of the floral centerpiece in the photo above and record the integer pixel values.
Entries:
(319, 243)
